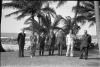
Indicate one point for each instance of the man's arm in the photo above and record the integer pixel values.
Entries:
(89, 40)
(66, 38)
(24, 35)
(18, 38)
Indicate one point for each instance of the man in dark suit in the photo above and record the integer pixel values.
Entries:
(42, 44)
(51, 42)
(21, 43)
(86, 40)
(60, 41)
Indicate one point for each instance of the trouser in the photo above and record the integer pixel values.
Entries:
(60, 49)
(33, 49)
(84, 51)
(69, 50)
(21, 50)
(41, 51)
(51, 49)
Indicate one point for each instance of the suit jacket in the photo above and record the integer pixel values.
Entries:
(51, 39)
(86, 40)
(60, 37)
(42, 41)
(21, 38)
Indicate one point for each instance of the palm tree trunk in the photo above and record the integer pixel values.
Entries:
(78, 4)
(97, 15)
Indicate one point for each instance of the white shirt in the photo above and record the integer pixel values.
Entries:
(69, 39)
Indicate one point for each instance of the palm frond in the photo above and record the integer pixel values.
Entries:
(45, 20)
(91, 24)
(55, 28)
(85, 12)
(56, 21)
(61, 2)
(14, 13)
(14, 5)
(36, 27)
(30, 20)
(22, 15)
(48, 9)
(27, 20)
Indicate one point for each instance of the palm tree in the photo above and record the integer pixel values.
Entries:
(97, 15)
(28, 8)
(45, 25)
(43, 17)
(32, 9)
(85, 12)
(72, 24)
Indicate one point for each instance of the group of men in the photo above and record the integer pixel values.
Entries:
(51, 39)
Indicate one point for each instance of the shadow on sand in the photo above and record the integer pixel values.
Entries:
(94, 58)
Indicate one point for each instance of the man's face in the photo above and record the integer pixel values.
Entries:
(70, 32)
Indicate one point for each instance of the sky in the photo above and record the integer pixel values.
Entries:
(12, 25)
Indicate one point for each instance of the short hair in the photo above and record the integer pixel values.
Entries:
(85, 30)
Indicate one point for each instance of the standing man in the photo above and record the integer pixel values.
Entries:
(21, 43)
(70, 43)
(60, 40)
(42, 44)
(51, 42)
(86, 40)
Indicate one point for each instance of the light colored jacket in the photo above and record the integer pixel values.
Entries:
(70, 39)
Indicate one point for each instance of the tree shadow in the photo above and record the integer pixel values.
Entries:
(95, 64)
(94, 58)
(26, 56)
(77, 54)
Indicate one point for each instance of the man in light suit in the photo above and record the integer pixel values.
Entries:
(70, 43)
(21, 43)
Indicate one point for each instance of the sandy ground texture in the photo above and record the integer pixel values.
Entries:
(11, 59)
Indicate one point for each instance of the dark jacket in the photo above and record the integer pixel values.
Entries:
(42, 41)
(86, 40)
(21, 38)
(51, 39)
